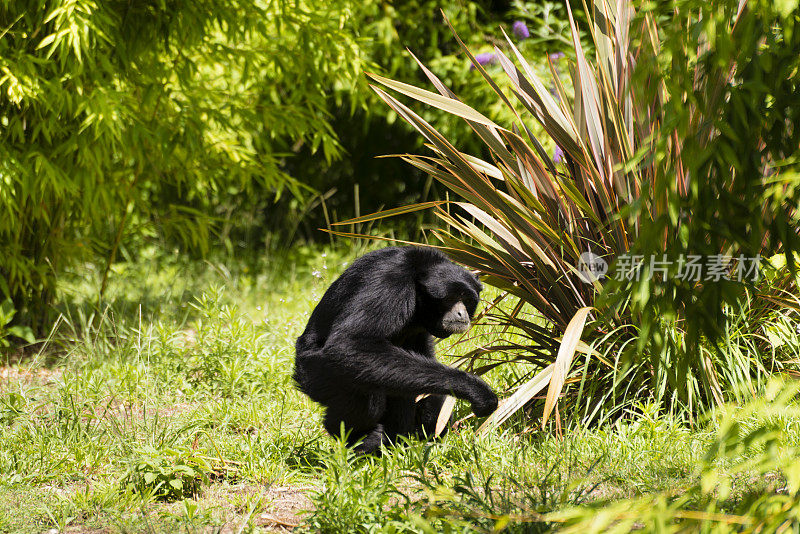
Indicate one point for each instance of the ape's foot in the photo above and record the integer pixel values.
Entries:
(371, 442)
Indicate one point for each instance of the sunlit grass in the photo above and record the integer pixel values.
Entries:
(185, 376)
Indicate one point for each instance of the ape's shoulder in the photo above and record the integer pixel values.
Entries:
(410, 260)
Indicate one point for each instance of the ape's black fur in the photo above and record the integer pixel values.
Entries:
(367, 351)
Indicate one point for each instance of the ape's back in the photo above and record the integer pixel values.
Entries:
(365, 299)
(337, 298)
(378, 277)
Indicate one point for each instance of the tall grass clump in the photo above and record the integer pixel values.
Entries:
(751, 443)
(746, 480)
(641, 136)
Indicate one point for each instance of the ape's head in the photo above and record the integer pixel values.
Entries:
(447, 298)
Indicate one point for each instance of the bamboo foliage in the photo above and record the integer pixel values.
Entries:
(122, 122)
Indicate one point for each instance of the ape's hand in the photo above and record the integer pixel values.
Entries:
(484, 401)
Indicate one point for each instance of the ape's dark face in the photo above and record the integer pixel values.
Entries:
(448, 297)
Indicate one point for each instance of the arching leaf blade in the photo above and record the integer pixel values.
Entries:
(512, 404)
(566, 352)
(444, 415)
(392, 212)
(450, 105)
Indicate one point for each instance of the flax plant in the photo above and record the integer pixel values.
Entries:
(526, 220)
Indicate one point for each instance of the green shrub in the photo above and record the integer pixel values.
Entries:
(127, 122)
(750, 443)
(354, 494)
(166, 474)
(7, 330)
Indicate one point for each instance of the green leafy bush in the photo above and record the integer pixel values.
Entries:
(216, 357)
(730, 76)
(122, 122)
(750, 443)
(354, 496)
(7, 330)
(166, 474)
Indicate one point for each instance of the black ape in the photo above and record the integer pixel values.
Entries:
(367, 351)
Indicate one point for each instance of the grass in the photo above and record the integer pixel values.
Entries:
(174, 410)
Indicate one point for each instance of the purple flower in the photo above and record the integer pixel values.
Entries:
(485, 59)
(558, 155)
(555, 56)
(520, 30)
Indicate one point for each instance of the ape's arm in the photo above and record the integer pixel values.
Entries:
(377, 364)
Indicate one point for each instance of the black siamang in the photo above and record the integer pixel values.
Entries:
(367, 351)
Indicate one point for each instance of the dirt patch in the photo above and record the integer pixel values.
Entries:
(278, 507)
(287, 504)
(36, 376)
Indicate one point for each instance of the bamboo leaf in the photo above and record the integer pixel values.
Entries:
(47, 40)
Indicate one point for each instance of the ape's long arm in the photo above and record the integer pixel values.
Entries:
(376, 364)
